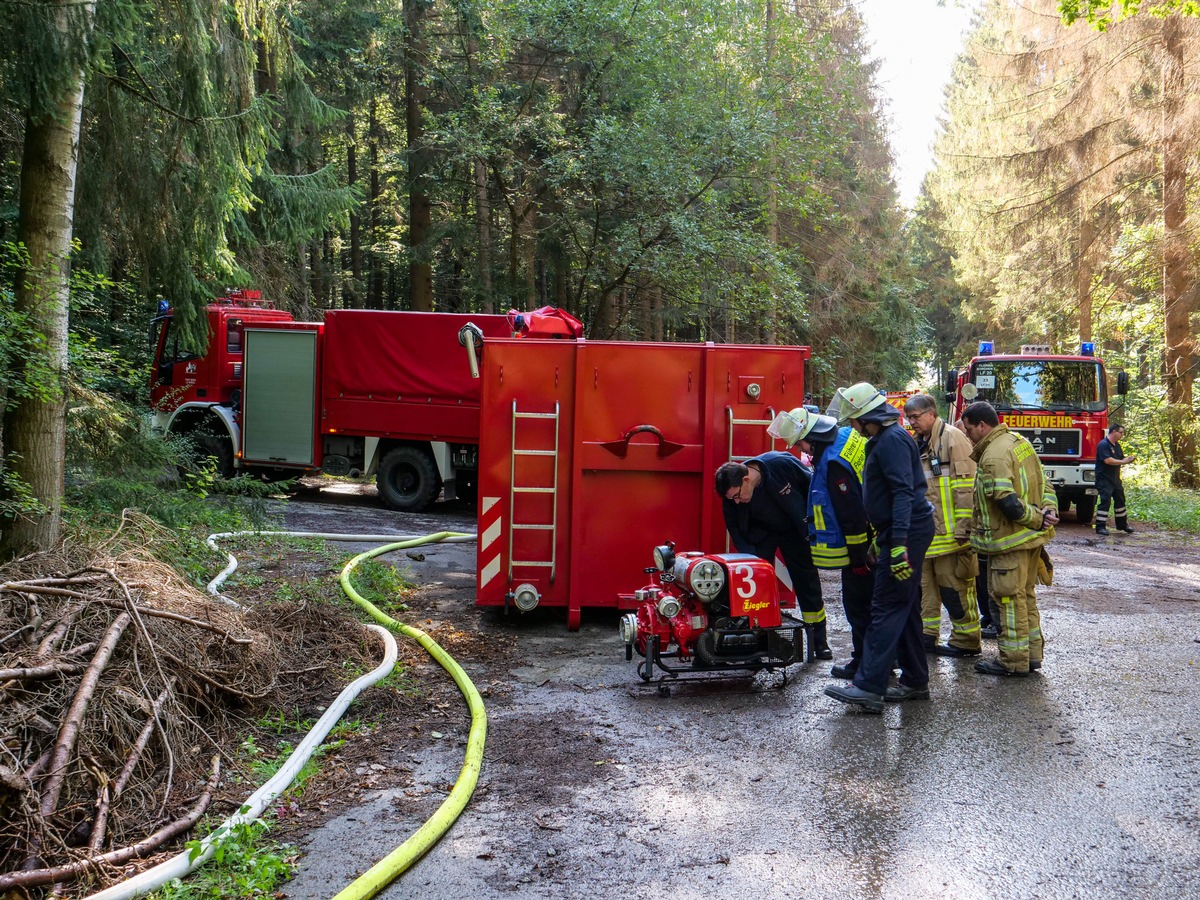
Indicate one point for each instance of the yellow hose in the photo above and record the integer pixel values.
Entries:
(391, 866)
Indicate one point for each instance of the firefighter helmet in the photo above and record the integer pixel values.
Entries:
(852, 402)
(799, 424)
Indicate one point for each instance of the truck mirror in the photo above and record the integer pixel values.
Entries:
(1122, 382)
(951, 381)
(950, 398)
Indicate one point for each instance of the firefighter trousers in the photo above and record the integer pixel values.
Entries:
(949, 581)
(894, 634)
(856, 603)
(1012, 578)
(1114, 493)
(806, 582)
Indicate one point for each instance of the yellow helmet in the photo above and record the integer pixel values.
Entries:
(852, 402)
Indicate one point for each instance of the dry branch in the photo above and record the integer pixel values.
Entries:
(36, 877)
(70, 728)
(33, 673)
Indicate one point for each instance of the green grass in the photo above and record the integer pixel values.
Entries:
(382, 584)
(245, 864)
(1173, 508)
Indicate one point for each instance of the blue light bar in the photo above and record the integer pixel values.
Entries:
(163, 307)
(1087, 348)
(985, 348)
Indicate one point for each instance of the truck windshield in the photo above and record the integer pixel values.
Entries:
(1061, 385)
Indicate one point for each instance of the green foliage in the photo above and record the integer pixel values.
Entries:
(1166, 507)
(244, 864)
(1103, 14)
(381, 584)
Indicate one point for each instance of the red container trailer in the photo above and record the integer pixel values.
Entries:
(593, 452)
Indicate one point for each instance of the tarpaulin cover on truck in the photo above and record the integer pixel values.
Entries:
(402, 373)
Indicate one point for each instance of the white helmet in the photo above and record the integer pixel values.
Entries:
(799, 424)
(852, 402)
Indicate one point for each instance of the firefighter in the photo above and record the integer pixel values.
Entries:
(764, 501)
(894, 498)
(1015, 513)
(837, 521)
(1109, 459)
(950, 565)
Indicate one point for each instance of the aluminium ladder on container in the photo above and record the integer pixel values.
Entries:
(515, 489)
(730, 424)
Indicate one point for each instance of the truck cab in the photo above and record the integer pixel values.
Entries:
(1059, 402)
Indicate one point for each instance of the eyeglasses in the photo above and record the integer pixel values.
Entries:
(912, 417)
(734, 494)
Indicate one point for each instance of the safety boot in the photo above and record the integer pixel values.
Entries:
(820, 641)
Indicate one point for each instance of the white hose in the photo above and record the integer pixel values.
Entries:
(184, 864)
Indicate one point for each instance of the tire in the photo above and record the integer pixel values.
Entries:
(217, 448)
(408, 480)
(1085, 508)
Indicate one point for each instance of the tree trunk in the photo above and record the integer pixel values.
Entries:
(483, 235)
(771, 326)
(1180, 353)
(35, 425)
(352, 295)
(1084, 272)
(420, 220)
(375, 275)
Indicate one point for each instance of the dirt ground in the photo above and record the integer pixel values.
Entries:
(1076, 782)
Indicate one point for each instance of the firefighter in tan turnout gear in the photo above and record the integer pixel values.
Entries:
(1015, 514)
(948, 578)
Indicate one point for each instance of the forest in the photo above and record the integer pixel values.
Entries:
(699, 171)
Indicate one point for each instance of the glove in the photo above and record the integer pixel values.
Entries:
(901, 570)
(861, 570)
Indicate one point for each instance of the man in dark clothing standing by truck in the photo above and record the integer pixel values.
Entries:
(1109, 459)
(894, 497)
(765, 503)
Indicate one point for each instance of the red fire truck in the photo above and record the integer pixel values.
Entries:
(1059, 402)
(363, 392)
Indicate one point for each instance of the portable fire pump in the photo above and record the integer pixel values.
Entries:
(715, 612)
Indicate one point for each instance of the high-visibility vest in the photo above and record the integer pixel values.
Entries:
(829, 551)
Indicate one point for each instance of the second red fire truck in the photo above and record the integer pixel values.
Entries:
(1060, 402)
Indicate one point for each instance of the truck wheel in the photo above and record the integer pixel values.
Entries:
(408, 479)
(1085, 508)
(216, 448)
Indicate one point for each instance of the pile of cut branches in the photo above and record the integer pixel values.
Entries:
(121, 685)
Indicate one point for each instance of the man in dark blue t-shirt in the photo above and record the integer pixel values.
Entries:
(1109, 459)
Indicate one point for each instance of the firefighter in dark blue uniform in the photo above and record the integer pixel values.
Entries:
(894, 498)
(765, 502)
(837, 520)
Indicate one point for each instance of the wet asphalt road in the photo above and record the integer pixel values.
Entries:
(1080, 782)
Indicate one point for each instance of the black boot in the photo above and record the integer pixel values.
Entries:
(821, 641)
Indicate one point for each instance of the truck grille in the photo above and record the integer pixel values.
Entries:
(1053, 441)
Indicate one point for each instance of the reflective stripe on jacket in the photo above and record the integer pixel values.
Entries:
(1007, 464)
(952, 493)
(829, 551)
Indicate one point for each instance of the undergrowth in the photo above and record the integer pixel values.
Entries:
(1172, 508)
